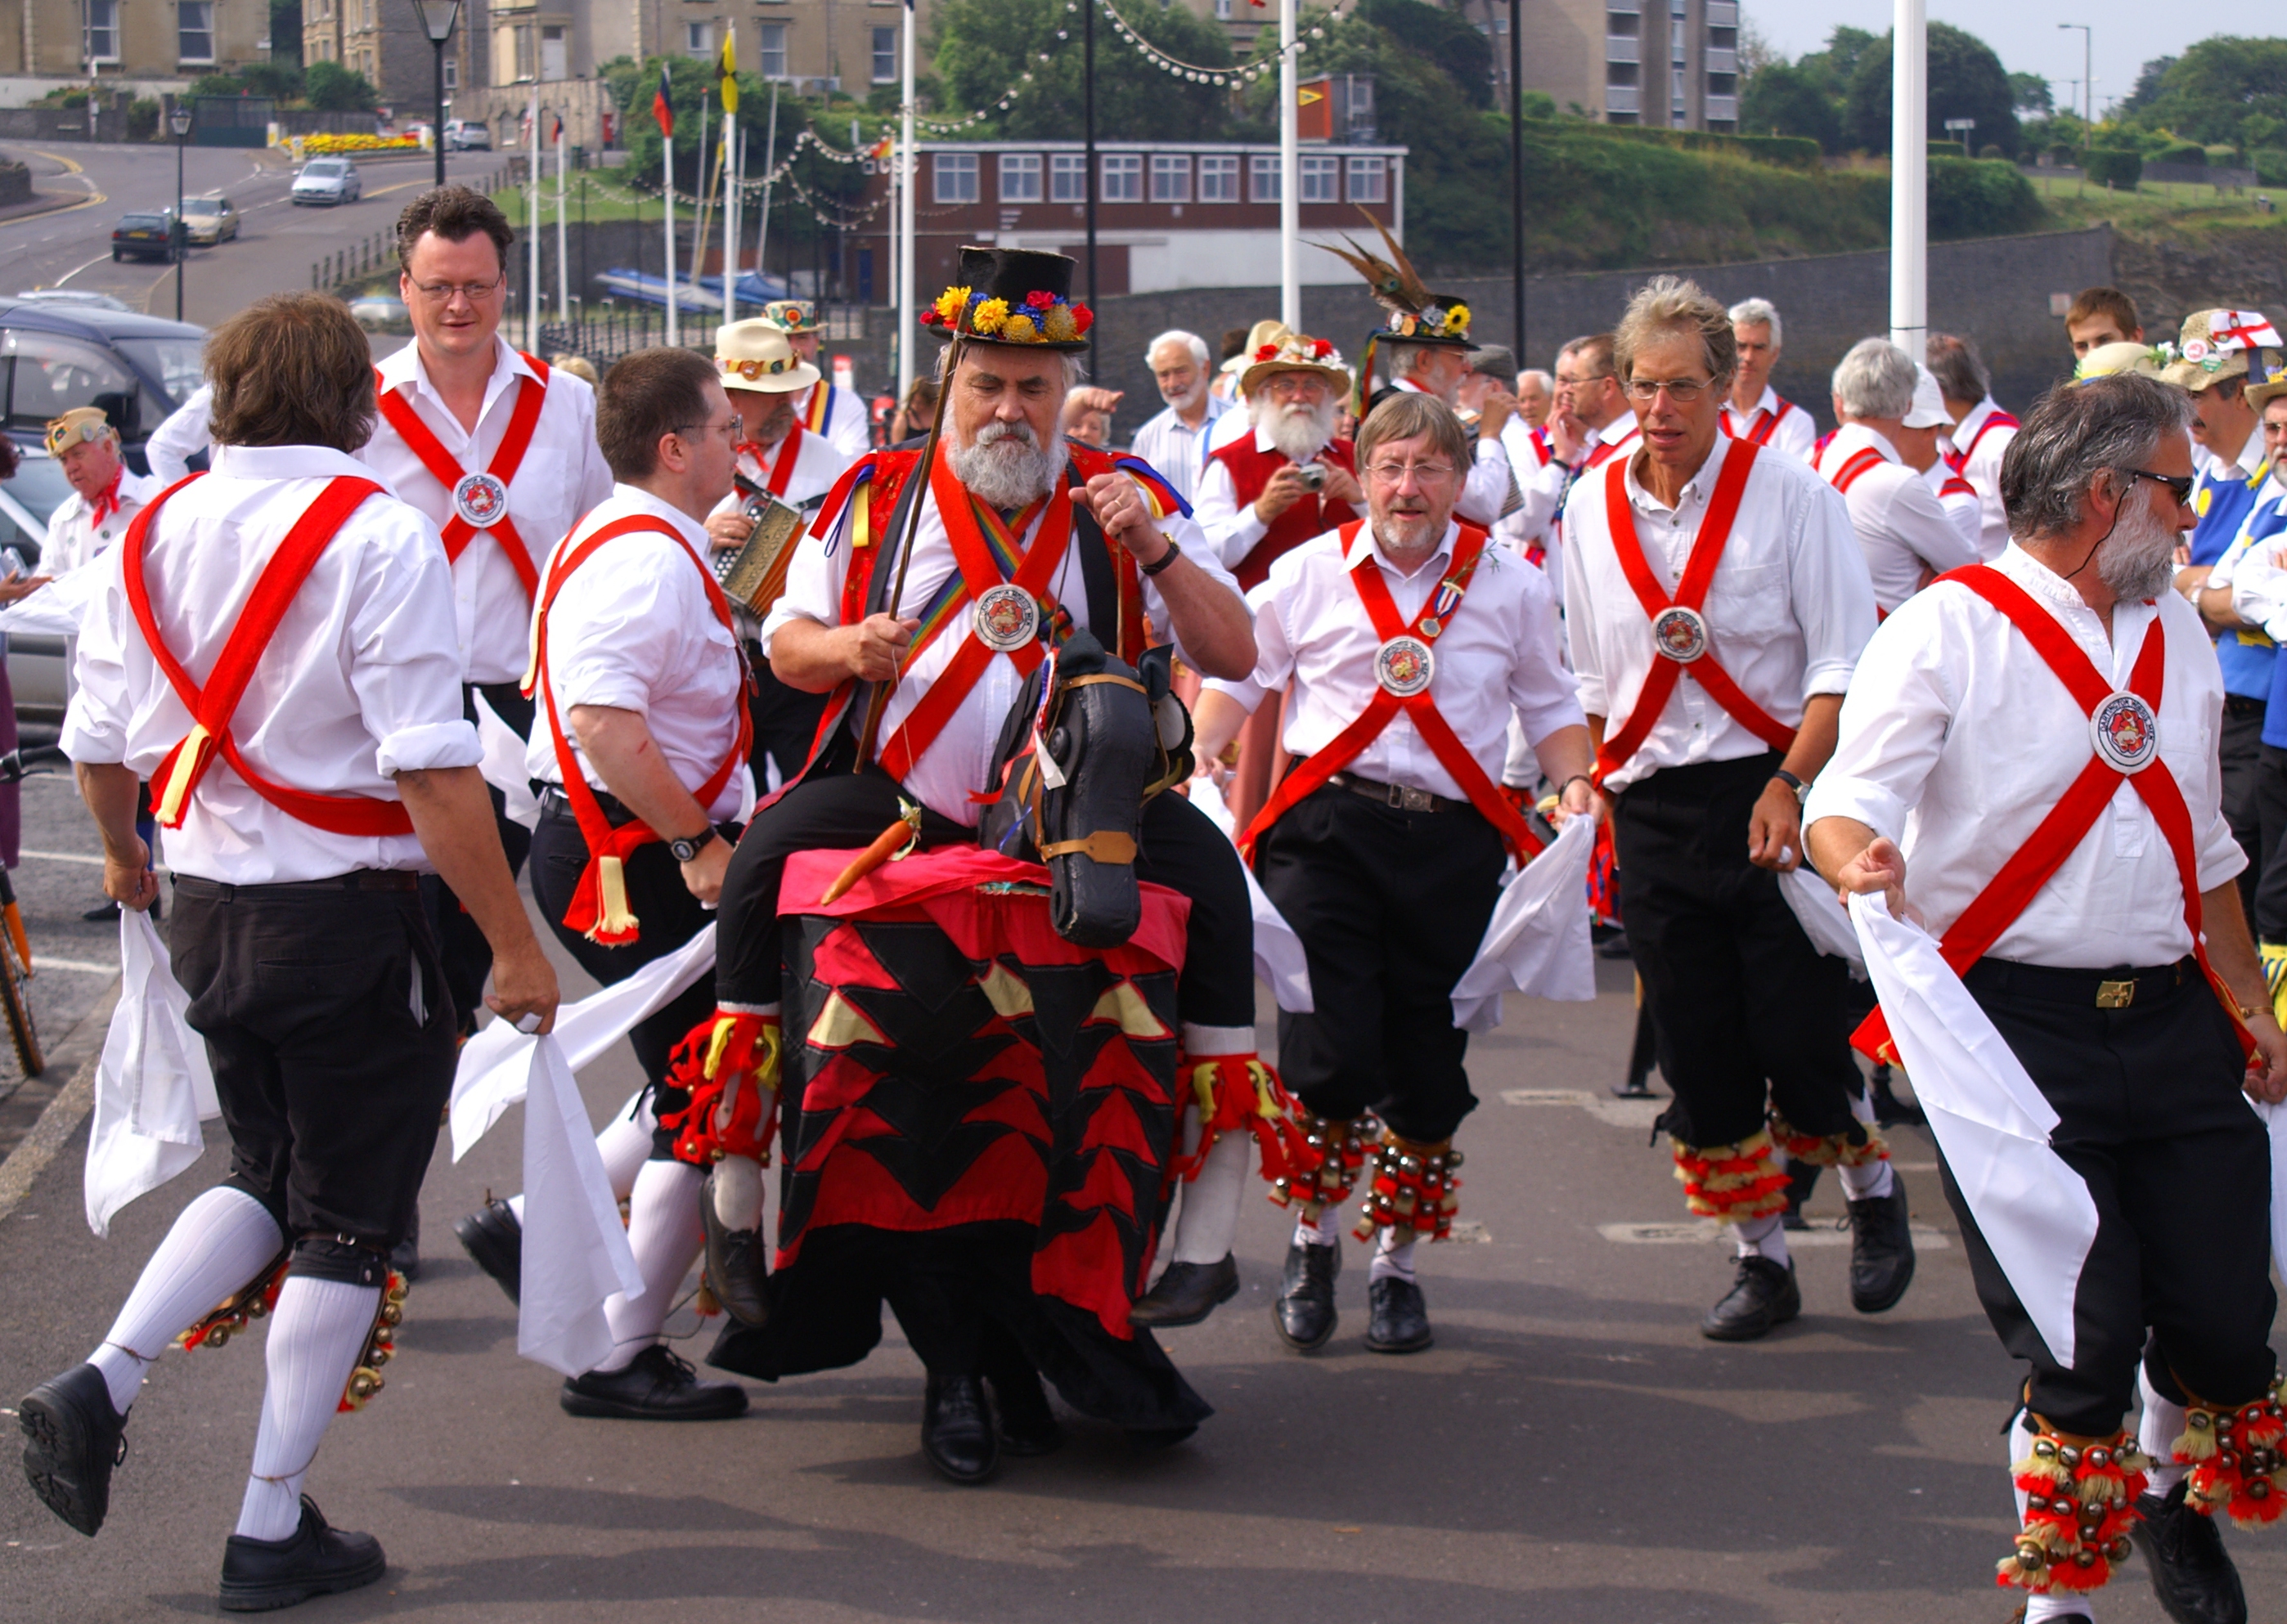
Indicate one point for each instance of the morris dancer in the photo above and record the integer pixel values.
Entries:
(1427, 354)
(828, 411)
(1706, 557)
(299, 827)
(105, 496)
(1980, 434)
(1013, 529)
(643, 741)
(1409, 645)
(2029, 757)
(1903, 531)
(1753, 410)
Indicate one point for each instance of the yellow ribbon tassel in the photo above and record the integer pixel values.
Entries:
(613, 918)
(177, 787)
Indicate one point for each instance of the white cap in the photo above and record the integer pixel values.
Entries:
(1929, 409)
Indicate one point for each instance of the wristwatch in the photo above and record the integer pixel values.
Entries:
(685, 850)
(1800, 788)
(1165, 560)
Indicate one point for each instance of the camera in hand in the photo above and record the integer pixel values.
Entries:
(1314, 475)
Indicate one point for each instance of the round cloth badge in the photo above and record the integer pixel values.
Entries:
(1679, 634)
(482, 499)
(1403, 666)
(2196, 350)
(1006, 617)
(2124, 733)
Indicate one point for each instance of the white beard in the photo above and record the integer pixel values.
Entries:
(1300, 432)
(1005, 468)
(2138, 559)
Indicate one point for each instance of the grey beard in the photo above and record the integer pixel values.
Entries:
(1003, 470)
(1299, 434)
(2138, 559)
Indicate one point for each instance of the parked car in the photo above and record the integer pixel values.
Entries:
(467, 135)
(82, 297)
(209, 219)
(326, 180)
(35, 663)
(146, 235)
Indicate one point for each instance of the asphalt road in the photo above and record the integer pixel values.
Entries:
(273, 253)
(1571, 1449)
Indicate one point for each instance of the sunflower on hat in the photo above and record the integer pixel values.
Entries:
(1011, 297)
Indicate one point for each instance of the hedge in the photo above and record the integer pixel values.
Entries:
(1788, 151)
(1980, 197)
(2182, 152)
(2114, 166)
(2270, 166)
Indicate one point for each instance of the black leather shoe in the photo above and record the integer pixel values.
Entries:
(2192, 1573)
(1187, 1293)
(1028, 1426)
(957, 1430)
(1764, 1295)
(1304, 1313)
(1882, 1250)
(738, 1265)
(1398, 1318)
(259, 1575)
(494, 1238)
(656, 1385)
(74, 1439)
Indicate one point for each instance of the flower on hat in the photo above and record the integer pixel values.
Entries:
(1268, 352)
(1059, 325)
(1040, 298)
(1457, 318)
(1019, 329)
(1083, 319)
(988, 316)
(949, 303)
(1321, 348)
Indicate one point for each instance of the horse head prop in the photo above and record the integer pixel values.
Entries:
(1089, 740)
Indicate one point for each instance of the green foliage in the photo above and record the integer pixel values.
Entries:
(2270, 166)
(983, 47)
(1980, 198)
(1790, 100)
(218, 84)
(1537, 103)
(2212, 90)
(1832, 68)
(331, 87)
(2179, 152)
(1788, 151)
(143, 120)
(2113, 166)
(2031, 94)
(280, 79)
(1965, 81)
(2147, 84)
(1445, 37)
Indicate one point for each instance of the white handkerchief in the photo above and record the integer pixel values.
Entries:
(1279, 956)
(153, 1085)
(1821, 914)
(504, 766)
(1537, 939)
(576, 1251)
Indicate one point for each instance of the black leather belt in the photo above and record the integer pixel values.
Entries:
(1402, 796)
(2240, 704)
(2097, 989)
(555, 803)
(356, 879)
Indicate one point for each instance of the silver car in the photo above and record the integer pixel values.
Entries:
(326, 180)
(35, 664)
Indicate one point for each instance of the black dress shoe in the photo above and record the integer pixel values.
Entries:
(1187, 1293)
(655, 1385)
(1304, 1313)
(1398, 1318)
(259, 1575)
(494, 1238)
(738, 1265)
(104, 909)
(1882, 1250)
(74, 1439)
(1028, 1426)
(2192, 1573)
(1764, 1295)
(957, 1432)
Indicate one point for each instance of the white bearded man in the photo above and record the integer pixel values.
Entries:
(1175, 441)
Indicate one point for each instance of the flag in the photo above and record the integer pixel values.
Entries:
(728, 69)
(661, 109)
(2244, 329)
(880, 151)
(556, 134)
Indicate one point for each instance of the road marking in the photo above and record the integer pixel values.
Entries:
(71, 166)
(75, 269)
(1604, 1107)
(1699, 1232)
(81, 966)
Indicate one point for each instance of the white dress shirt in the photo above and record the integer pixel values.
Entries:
(1540, 481)
(634, 628)
(1788, 610)
(1497, 655)
(1958, 740)
(1983, 471)
(1903, 530)
(1961, 503)
(1233, 527)
(561, 476)
(846, 425)
(1177, 451)
(73, 538)
(183, 436)
(1236, 422)
(1795, 435)
(361, 682)
(2255, 566)
(1490, 495)
(957, 763)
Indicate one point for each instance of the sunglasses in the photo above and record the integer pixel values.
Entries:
(2180, 485)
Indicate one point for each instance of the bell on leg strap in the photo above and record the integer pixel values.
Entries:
(1414, 1190)
(2236, 1458)
(1862, 1147)
(2079, 1499)
(1731, 1182)
(1326, 1183)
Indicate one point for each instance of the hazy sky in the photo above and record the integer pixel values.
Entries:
(2024, 33)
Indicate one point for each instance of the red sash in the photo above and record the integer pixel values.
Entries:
(1958, 459)
(213, 707)
(599, 907)
(448, 471)
(1762, 426)
(1603, 454)
(1858, 462)
(2010, 891)
(1956, 485)
(1437, 613)
(789, 454)
(1698, 576)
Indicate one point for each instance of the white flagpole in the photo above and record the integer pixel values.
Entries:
(769, 167)
(532, 304)
(1910, 179)
(563, 259)
(901, 319)
(698, 237)
(730, 216)
(1290, 198)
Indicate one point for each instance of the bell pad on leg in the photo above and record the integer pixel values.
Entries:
(2081, 1504)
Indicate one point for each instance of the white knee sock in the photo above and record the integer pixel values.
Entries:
(1872, 1182)
(739, 1192)
(1328, 1231)
(1391, 1259)
(2038, 1609)
(1762, 1237)
(625, 1146)
(215, 1250)
(2156, 1433)
(2021, 1445)
(316, 1333)
(1209, 1219)
(663, 1228)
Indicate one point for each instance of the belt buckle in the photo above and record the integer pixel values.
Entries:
(1408, 799)
(2116, 995)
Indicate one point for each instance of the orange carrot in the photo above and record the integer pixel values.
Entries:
(885, 847)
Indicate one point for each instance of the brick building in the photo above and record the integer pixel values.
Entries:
(132, 40)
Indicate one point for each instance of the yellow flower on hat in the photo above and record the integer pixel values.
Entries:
(989, 316)
(1061, 328)
(1019, 329)
(949, 303)
(1457, 319)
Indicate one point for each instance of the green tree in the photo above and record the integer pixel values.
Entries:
(331, 87)
(2208, 93)
(1965, 81)
(982, 48)
(1445, 37)
(1785, 99)
(1832, 68)
(2033, 96)
(2147, 84)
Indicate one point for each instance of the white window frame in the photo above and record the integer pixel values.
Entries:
(1068, 177)
(185, 11)
(1221, 168)
(452, 72)
(1368, 179)
(1120, 180)
(954, 177)
(1171, 178)
(774, 43)
(886, 60)
(1020, 177)
(1318, 179)
(1262, 176)
(698, 41)
(106, 33)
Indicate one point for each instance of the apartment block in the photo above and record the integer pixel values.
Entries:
(132, 40)
(383, 40)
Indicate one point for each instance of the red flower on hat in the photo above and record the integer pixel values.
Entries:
(1322, 347)
(1083, 317)
(928, 318)
(1039, 299)
(1268, 352)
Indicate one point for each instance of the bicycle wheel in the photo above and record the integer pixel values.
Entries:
(17, 999)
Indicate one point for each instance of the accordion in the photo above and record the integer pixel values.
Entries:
(754, 573)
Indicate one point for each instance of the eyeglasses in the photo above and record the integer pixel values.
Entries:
(1288, 384)
(2180, 485)
(1682, 391)
(475, 293)
(1594, 377)
(728, 429)
(1395, 473)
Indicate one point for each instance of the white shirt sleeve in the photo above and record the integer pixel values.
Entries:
(405, 658)
(95, 724)
(1490, 493)
(1922, 522)
(848, 429)
(2258, 586)
(1274, 652)
(1580, 626)
(182, 436)
(1894, 727)
(1540, 688)
(1832, 595)
(1231, 529)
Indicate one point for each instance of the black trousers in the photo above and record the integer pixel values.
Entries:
(786, 719)
(2239, 754)
(468, 956)
(667, 916)
(1738, 991)
(1176, 847)
(2270, 911)
(332, 1036)
(2151, 1116)
(1390, 907)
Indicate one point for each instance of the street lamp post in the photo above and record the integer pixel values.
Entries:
(437, 19)
(2087, 67)
(180, 122)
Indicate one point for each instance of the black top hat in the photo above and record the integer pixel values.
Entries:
(1443, 319)
(1016, 297)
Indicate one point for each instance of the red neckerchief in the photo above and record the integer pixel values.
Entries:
(774, 478)
(105, 503)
